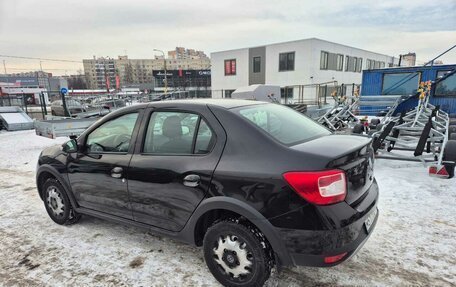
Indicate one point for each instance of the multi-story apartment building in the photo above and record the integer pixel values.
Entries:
(124, 71)
(293, 66)
(182, 53)
(100, 73)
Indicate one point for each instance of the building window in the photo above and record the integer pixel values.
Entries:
(355, 64)
(256, 64)
(347, 59)
(447, 87)
(340, 62)
(230, 67)
(286, 61)
(376, 64)
(360, 65)
(286, 94)
(228, 93)
(324, 60)
(400, 83)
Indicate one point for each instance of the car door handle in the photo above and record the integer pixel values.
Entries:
(117, 172)
(192, 180)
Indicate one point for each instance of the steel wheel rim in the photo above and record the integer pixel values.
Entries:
(55, 202)
(232, 257)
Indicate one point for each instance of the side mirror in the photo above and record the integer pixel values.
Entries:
(70, 146)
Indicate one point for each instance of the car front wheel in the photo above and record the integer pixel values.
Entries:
(57, 203)
(237, 254)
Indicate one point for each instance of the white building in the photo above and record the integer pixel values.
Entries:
(304, 69)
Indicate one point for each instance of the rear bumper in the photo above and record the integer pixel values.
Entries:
(310, 247)
(350, 247)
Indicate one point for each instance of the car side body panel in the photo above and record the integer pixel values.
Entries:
(158, 193)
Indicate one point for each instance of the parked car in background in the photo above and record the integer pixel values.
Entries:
(74, 107)
(109, 103)
(256, 184)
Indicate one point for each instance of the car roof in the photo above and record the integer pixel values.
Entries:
(224, 103)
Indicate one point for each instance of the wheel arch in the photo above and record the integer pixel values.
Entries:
(45, 172)
(226, 206)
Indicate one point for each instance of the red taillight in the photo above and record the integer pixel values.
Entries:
(334, 259)
(438, 171)
(318, 187)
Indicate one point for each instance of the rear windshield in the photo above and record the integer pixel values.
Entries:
(282, 123)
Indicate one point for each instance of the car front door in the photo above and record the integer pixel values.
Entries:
(171, 169)
(98, 172)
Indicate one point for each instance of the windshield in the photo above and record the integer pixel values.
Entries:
(282, 123)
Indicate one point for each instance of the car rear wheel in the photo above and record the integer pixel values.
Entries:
(237, 254)
(57, 203)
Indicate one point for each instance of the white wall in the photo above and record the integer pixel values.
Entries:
(218, 79)
(302, 65)
(342, 77)
(306, 71)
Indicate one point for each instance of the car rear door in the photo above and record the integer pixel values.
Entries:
(177, 151)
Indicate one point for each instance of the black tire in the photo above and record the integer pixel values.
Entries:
(452, 129)
(358, 129)
(374, 122)
(449, 154)
(257, 253)
(57, 203)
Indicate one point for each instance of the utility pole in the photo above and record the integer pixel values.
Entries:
(166, 75)
(4, 66)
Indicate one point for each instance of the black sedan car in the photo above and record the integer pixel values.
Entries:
(256, 184)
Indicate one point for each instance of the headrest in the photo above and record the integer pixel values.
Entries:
(172, 127)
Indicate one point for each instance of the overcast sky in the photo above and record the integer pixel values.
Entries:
(80, 29)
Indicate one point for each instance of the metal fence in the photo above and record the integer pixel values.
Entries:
(90, 104)
(27, 103)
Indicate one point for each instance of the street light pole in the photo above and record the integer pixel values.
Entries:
(164, 65)
(107, 80)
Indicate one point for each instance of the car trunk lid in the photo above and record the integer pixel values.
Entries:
(352, 154)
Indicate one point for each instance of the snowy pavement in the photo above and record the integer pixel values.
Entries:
(414, 242)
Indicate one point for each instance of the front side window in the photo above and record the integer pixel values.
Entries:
(230, 67)
(400, 83)
(282, 123)
(286, 61)
(256, 64)
(324, 60)
(112, 136)
(177, 133)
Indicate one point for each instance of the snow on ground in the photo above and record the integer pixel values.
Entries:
(414, 242)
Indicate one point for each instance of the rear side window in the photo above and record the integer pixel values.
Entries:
(282, 123)
(204, 139)
(178, 133)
